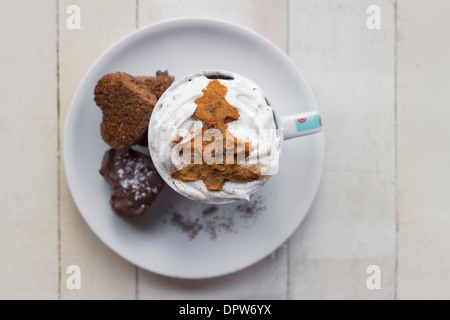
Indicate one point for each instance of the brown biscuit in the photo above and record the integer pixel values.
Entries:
(160, 73)
(157, 85)
(127, 104)
(134, 181)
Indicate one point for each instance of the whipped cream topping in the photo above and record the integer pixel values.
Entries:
(171, 121)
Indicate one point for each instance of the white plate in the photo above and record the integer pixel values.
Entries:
(153, 242)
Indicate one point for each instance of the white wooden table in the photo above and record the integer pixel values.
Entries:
(384, 198)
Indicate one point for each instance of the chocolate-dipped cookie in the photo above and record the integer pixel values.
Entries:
(134, 181)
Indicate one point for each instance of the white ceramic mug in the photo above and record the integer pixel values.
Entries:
(298, 124)
(291, 126)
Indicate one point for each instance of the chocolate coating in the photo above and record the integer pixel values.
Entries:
(134, 181)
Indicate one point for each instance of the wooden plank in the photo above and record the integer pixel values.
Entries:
(267, 279)
(423, 57)
(268, 17)
(352, 222)
(264, 280)
(28, 162)
(104, 274)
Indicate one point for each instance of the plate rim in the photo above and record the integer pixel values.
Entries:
(68, 167)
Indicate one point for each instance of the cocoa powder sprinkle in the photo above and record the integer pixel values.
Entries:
(213, 221)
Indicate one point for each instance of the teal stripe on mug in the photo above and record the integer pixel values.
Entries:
(309, 123)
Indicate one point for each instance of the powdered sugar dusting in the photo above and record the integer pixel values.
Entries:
(134, 177)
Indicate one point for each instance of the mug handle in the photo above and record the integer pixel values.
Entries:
(301, 124)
